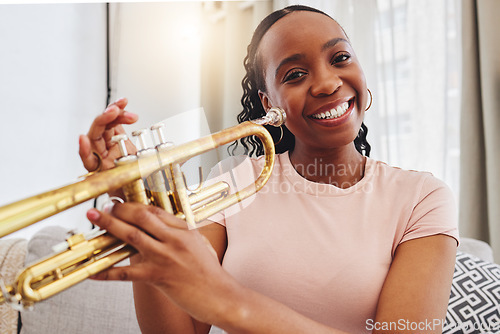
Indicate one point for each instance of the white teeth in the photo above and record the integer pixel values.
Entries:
(333, 113)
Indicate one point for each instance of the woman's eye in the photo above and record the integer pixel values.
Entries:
(339, 58)
(293, 75)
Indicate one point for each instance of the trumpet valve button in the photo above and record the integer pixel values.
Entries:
(160, 135)
(120, 140)
(141, 138)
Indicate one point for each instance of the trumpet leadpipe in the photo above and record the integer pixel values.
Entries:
(208, 194)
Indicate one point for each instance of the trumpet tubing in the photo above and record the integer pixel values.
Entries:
(166, 188)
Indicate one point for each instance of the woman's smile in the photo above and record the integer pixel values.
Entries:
(334, 113)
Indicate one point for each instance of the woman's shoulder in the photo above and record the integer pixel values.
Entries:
(401, 177)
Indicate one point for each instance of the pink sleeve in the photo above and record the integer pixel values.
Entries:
(434, 213)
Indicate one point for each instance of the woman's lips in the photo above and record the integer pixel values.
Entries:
(334, 116)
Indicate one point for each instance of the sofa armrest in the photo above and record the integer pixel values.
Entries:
(477, 248)
(12, 255)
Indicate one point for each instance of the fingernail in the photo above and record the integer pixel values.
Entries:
(93, 214)
(121, 98)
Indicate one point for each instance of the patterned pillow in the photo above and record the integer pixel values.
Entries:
(474, 305)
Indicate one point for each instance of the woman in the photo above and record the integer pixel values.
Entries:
(335, 242)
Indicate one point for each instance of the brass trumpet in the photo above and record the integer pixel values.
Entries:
(152, 177)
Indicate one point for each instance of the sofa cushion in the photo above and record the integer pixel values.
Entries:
(88, 307)
(474, 305)
(12, 255)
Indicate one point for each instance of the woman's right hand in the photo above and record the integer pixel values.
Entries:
(98, 138)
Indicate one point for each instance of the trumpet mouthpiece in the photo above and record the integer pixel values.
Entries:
(275, 116)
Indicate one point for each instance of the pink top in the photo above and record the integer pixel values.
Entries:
(322, 250)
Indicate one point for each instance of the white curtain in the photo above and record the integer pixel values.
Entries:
(480, 179)
(410, 52)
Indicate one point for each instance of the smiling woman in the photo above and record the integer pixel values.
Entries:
(336, 240)
(349, 242)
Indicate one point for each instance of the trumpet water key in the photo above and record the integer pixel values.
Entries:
(152, 177)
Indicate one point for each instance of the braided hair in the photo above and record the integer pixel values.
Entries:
(253, 81)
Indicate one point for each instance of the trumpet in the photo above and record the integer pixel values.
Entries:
(152, 177)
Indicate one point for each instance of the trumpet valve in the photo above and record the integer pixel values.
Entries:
(120, 140)
(161, 142)
(141, 139)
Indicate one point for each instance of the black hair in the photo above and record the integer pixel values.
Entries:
(253, 81)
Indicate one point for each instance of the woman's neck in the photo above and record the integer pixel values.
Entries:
(342, 167)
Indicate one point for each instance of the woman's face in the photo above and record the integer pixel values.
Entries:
(311, 71)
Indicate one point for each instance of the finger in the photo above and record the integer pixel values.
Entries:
(134, 224)
(99, 126)
(125, 273)
(128, 233)
(142, 214)
(121, 102)
(90, 161)
(109, 134)
(125, 117)
(168, 219)
(110, 118)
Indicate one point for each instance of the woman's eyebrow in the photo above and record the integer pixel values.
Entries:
(331, 43)
(290, 59)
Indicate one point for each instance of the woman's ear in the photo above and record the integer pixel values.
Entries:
(264, 99)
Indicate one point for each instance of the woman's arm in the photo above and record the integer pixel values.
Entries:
(417, 288)
(178, 263)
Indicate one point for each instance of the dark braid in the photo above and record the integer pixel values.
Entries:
(253, 81)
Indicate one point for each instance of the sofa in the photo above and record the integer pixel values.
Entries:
(107, 307)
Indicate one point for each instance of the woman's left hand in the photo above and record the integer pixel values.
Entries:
(179, 262)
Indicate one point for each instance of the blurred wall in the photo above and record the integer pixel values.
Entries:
(53, 84)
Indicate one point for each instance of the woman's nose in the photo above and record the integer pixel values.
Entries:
(326, 82)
